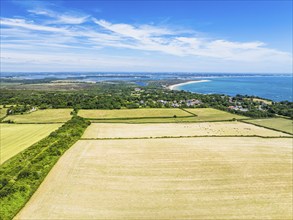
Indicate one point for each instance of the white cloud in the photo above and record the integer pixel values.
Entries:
(61, 18)
(166, 41)
(24, 24)
(66, 35)
(127, 30)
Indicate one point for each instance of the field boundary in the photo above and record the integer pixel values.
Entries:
(189, 112)
(1, 119)
(134, 118)
(97, 121)
(192, 136)
(274, 129)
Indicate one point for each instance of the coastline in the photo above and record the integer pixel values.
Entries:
(175, 86)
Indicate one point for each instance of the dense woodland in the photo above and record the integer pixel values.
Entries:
(127, 95)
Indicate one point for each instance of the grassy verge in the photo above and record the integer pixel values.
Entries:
(21, 175)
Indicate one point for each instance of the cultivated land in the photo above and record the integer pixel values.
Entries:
(133, 113)
(158, 116)
(281, 124)
(210, 114)
(17, 137)
(42, 116)
(107, 130)
(186, 178)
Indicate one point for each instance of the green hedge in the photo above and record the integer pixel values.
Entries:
(21, 175)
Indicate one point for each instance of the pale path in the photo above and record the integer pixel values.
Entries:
(187, 178)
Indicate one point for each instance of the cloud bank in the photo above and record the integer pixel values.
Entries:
(81, 41)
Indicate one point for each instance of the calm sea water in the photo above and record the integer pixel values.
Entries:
(276, 88)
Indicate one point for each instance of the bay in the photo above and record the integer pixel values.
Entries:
(276, 88)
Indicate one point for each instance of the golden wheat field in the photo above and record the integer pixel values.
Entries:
(185, 178)
(120, 130)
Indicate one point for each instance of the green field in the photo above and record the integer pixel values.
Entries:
(2, 112)
(203, 114)
(210, 114)
(17, 137)
(280, 124)
(134, 113)
(42, 116)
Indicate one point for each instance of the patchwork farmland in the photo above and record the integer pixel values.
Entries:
(163, 115)
(137, 164)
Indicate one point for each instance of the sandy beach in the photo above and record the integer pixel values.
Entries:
(175, 86)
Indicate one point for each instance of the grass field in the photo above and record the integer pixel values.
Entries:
(17, 137)
(210, 114)
(281, 124)
(133, 113)
(42, 116)
(192, 178)
(107, 130)
(3, 112)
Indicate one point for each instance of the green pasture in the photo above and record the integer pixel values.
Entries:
(280, 124)
(42, 116)
(17, 137)
(134, 113)
(193, 115)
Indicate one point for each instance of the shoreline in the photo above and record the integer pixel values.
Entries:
(174, 87)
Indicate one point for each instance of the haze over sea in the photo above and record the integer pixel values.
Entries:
(277, 87)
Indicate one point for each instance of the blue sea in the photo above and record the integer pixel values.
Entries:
(276, 88)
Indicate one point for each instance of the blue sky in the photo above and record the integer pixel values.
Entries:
(185, 36)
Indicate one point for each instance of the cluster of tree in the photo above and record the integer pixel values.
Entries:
(21, 175)
(282, 108)
(18, 109)
(123, 95)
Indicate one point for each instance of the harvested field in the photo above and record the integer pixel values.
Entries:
(192, 178)
(17, 137)
(107, 130)
(211, 114)
(133, 113)
(281, 124)
(42, 116)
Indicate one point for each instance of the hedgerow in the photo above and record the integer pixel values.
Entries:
(21, 175)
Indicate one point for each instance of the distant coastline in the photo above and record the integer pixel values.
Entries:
(175, 86)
